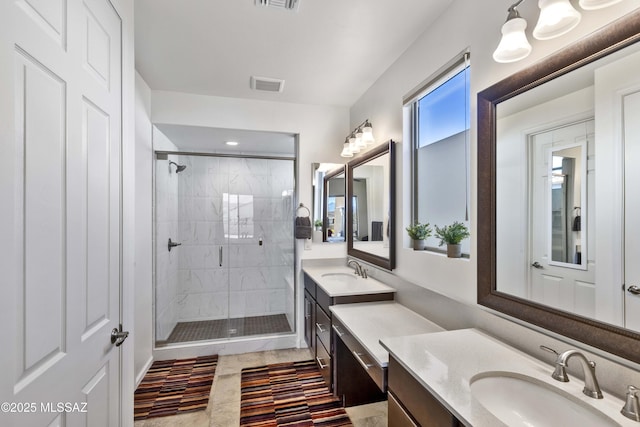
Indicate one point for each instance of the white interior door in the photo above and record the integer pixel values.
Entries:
(61, 108)
(564, 285)
(631, 111)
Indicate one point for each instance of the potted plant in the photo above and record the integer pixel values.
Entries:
(318, 224)
(452, 235)
(418, 233)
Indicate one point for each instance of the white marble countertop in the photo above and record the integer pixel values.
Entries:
(369, 322)
(338, 281)
(445, 363)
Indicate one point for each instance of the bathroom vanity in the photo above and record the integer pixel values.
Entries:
(358, 329)
(467, 377)
(327, 286)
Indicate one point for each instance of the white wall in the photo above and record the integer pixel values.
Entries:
(143, 331)
(466, 24)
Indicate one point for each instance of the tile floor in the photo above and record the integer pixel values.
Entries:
(224, 402)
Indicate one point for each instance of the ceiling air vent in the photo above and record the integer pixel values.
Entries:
(267, 84)
(279, 4)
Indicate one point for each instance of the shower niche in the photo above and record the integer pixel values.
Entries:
(228, 269)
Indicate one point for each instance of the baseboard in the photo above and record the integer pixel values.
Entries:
(143, 371)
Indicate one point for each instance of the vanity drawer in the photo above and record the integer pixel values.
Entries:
(323, 327)
(324, 363)
(310, 286)
(324, 300)
(377, 373)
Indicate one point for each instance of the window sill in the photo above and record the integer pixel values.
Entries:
(438, 251)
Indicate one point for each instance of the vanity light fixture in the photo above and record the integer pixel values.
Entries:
(514, 45)
(557, 17)
(358, 140)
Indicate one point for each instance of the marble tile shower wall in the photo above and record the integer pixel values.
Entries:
(233, 203)
(167, 275)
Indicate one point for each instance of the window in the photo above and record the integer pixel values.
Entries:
(440, 121)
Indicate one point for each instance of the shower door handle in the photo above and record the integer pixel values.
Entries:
(220, 256)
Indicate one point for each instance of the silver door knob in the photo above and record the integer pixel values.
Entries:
(635, 290)
(537, 265)
(118, 336)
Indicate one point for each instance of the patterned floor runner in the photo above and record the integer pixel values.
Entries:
(173, 387)
(288, 394)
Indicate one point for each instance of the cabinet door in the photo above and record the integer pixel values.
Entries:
(310, 322)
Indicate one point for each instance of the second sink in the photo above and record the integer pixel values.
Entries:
(340, 276)
(519, 400)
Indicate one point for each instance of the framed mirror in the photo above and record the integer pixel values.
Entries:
(334, 225)
(319, 172)
(370, 211)
(557, 149)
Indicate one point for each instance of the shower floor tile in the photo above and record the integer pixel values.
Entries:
(225, 328)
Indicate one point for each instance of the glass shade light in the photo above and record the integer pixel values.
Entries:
(597, 4)
(367, 133)
(514, 45)
(557, 17)
(359, 140)
(346, 152)
(353, 146)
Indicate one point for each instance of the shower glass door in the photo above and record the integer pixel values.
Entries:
(232, 274)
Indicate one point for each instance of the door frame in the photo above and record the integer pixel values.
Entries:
(125, 9)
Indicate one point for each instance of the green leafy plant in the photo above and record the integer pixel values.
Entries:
(419, 231)
(318, 223)
(452, 234)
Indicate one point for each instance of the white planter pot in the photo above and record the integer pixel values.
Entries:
(454, 251)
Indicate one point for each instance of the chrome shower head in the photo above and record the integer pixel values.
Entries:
(179, 168)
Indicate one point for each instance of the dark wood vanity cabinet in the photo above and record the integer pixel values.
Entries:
(309, 321)
(411, 405)
(317, 323)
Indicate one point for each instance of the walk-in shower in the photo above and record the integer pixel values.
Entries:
(228, 268)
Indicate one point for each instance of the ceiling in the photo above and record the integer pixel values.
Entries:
(329, 52)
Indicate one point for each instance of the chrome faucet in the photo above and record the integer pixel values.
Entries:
(358, 269)
(631, 407)
(591, 386)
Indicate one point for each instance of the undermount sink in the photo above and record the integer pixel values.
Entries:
(340, 276)
(519, 400)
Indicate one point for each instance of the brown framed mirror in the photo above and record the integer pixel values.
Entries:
(524, 164)
(334, 214)
(370, 212)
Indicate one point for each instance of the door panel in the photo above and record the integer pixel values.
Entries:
(41, 212)
(632, 208)
(562, 287)
(63, 224)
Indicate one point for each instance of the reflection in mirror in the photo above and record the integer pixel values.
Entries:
(555, 144)
(370, 186)
(319, 171)
(334, 227)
